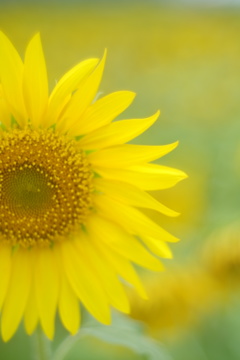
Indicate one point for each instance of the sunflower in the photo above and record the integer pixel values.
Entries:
(70, 193)
(178, 299)
(221, 256)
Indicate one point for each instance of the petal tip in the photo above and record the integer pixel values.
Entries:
(103, 59)
(184, 175)
(6, 335)
(36, 38)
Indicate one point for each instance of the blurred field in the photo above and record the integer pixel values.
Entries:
(185, 61)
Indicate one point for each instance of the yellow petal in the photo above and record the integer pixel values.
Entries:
(116, 133)
(131, 195)
(65, 87)
(5, 113)
(17, 294)
(105, 274)
(146, 177)
(11, 74)
(82, 98)
(5, 270)
(128, 155)
(84, 282)
(69, 307)
(131, 219)
(35, 81)
(46, 288)
(112, 235)
(122, 266)
(157, 247)
(103, 111)
(31, 312)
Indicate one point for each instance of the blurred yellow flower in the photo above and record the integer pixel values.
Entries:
(70, 188)
(176, 300)
(221, 257)
(181, 297)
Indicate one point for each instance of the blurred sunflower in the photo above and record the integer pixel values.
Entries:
(70, 188)
(221, 257)
(178, 299)
(189, 292)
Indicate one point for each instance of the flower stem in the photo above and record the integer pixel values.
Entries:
(41, 346)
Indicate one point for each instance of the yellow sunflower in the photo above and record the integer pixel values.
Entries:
(70, 189)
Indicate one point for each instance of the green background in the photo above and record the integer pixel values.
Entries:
(185, 61)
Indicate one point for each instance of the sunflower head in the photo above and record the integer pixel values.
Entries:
(45, 187)
(222, 256)
(71, 193)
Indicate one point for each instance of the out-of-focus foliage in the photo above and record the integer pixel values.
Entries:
(188, 293)
(122, 332)
(185, 61)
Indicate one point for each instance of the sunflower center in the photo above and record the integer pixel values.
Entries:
(27, 191)
(45, 187)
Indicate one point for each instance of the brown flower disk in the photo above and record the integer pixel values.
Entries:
(45, 187)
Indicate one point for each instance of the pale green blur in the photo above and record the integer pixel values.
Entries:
(186, 62)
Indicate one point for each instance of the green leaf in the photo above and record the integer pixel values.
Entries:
(122, 332)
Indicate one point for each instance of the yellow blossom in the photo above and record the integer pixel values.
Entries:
(71, 194)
